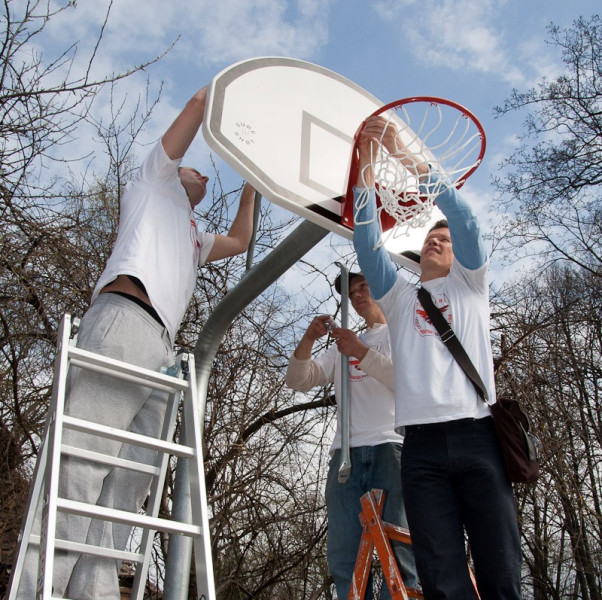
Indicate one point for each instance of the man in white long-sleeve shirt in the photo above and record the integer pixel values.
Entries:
(375, 447)
(454, 479)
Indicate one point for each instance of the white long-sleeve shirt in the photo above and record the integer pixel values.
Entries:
(371, 381)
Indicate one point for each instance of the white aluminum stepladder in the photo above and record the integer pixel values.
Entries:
(181, 387)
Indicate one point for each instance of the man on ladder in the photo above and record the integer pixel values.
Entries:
(375, 446)
(136, 310)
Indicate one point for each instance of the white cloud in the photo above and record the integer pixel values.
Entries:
(232, 30)
(538, 60)
(457, 34)
(208, 32)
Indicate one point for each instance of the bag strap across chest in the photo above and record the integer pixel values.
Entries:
(448, 337)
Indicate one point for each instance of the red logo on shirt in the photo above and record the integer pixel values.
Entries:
(194, 235)
(422, 323)
(355, 373)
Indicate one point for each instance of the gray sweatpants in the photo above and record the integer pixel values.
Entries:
(116, 327)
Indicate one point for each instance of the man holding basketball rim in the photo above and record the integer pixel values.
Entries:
(453, 476)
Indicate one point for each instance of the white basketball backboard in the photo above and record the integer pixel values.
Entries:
(287, 127)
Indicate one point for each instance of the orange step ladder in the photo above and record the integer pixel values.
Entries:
(377, 535)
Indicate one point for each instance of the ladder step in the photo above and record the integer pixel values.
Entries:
(114, 461)
(122, 516)
(127, 437)
(122, 370)
(134, 557)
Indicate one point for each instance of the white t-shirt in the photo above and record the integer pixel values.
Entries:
(371, 403)
(158, 241)
(447, 394)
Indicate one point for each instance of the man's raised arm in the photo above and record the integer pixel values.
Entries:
(373, 258)
(238, 238)
(182, 131)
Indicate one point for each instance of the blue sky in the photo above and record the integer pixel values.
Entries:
(471, 51)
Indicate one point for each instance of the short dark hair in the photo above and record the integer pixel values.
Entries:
(440, 224)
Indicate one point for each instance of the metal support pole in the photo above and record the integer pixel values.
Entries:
(345, 465)
(256, 213)
(254, 282)
(177, 574)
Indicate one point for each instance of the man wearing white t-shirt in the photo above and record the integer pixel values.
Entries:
(375, 447)
(454, 479)
(136, 310)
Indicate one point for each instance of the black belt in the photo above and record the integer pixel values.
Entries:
(149, 309)
(447, 425)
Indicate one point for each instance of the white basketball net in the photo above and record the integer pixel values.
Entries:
(438, 135)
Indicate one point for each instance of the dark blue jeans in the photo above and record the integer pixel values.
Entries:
(371, 467)
(454, 481)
